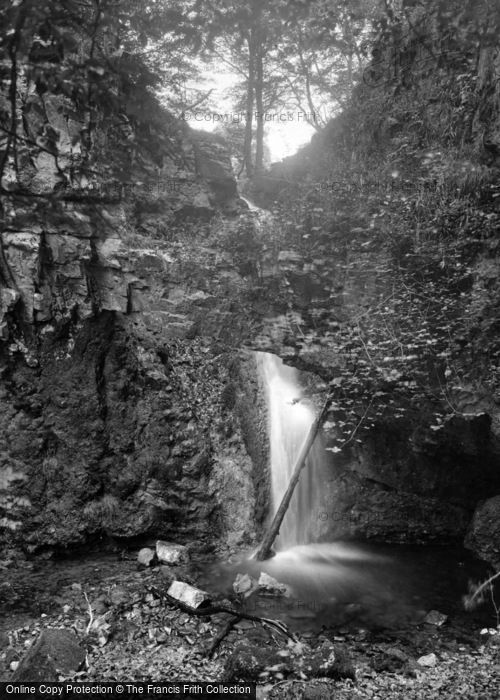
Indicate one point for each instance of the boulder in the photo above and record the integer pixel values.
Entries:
(170, 553)
(56, 651)
(244, 584)
(268, 584)
(434, 617)
(189, 595)
(428, 661)
(483, 536)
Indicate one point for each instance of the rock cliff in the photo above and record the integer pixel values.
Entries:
(117, 307)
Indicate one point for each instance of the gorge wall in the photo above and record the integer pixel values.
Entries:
(120, 376)
(129, 402)
(391, 219)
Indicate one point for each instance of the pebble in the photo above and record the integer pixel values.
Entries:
(145, 556)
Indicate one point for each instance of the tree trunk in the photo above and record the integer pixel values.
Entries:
(265, 549)
(259, 104)
(247, 149)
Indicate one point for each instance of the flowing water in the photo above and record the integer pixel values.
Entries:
(317, 574)
(332, 583)
(357, 585)
(290, 417)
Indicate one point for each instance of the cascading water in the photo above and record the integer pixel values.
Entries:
(320, 572)
(289, 421)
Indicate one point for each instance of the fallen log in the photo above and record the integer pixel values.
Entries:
(265, 550)
(206, 610)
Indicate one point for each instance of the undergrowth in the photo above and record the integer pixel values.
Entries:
(397, 222)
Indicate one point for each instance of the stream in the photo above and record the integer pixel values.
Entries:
(353, 586)
(343, 586)
(339, 584)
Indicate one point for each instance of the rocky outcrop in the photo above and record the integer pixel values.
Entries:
(113, 422)
(56, 652)
(404, 484)
(109, 434)
(483, 536)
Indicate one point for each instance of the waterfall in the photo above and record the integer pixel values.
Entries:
(289, 421)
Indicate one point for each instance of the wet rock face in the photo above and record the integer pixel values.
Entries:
(109, 246)
(483, 536)
(111, 412)
(249, 404)
(111, 434)
(360, 508)
(115, 417)
(408, 485)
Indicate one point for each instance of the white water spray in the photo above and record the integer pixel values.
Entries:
(289, 421)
